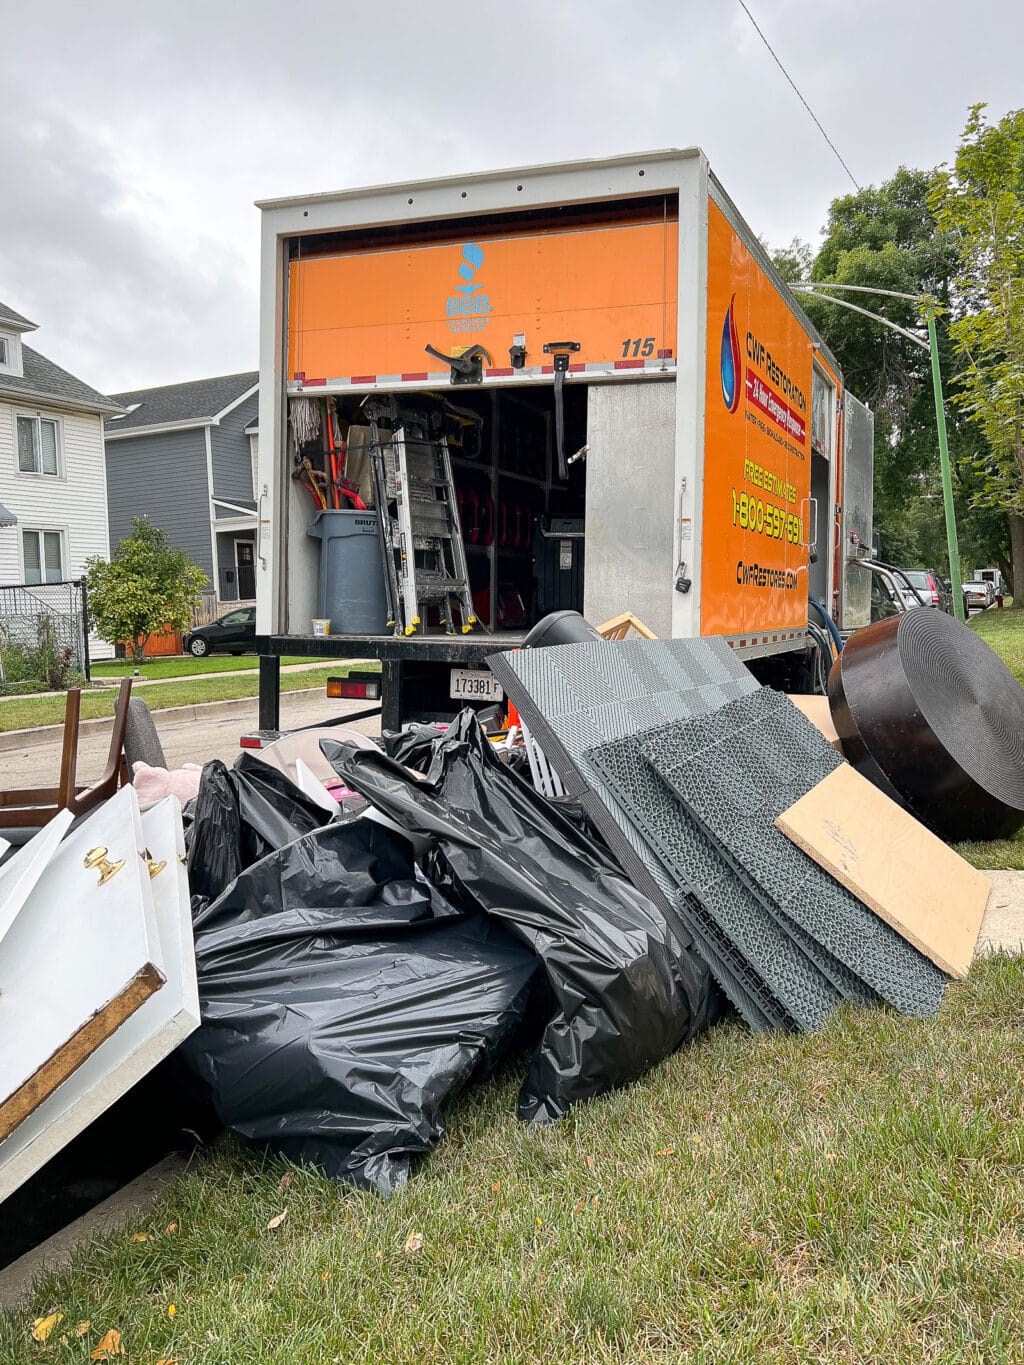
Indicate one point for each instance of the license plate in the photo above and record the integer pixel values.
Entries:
(475, 684)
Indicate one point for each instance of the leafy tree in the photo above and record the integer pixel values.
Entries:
(148, 586)
(979, 202)
(885, 237)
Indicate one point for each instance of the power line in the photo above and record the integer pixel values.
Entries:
(800, 97)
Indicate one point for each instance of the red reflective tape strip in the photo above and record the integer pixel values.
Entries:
(547, 369)
(299, 375)
(413, 378)
(730, 644)
(576, 369)
(500, 372)
(665, 355)
(363, 379)
(629, 364)
(742, 644)
(313, 383)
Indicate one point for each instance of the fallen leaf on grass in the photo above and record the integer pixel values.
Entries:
(42, 1327)
(171, 1310)
(141, 1237)
(590, 1162)
(665, 1151)
(109, 1347)
(284, 1182)
(83, 1327)
(168, 1360)
(168, 1230)
(277, 1220)
(496, 1187)
(413, 1243)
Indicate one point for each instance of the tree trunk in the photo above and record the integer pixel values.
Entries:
(1017, 557)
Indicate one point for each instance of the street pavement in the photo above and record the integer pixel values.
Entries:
(184, 739)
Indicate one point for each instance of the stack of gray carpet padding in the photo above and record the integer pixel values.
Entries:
(683, 763)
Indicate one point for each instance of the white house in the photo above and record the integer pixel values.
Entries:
(53, 483)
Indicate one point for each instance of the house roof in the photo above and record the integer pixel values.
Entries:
(44, 381)
(8, 315)
(192, 404)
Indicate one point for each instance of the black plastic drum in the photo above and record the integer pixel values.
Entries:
(930, 714)
(560, 628)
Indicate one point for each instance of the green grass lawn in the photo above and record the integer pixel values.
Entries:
(855, 1195)
(181, 666)
(19, 713)
(1003, 631)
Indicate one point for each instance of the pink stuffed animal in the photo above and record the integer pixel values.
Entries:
(153, 784)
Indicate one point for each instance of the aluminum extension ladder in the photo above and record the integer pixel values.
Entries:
(424, 557)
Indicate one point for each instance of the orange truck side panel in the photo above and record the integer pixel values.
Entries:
(613, 289)
(757, 447)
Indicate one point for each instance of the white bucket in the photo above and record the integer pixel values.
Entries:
(321, 626)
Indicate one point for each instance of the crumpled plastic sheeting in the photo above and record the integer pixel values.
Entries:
(240, 815)
(627, 990)
(344, 1002)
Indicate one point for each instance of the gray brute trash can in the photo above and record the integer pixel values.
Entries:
(351, 593)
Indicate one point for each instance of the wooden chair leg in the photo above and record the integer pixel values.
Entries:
(107, 784)
(66, 784)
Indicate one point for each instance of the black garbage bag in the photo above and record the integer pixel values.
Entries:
(345, 1001)
(240, 815)
(627, 989)
(413, 748)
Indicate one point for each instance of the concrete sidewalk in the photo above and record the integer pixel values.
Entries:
(101, 684)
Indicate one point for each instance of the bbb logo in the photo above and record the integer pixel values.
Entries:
(467, 300)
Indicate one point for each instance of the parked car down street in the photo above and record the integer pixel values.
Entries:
(930, 588)
(891, 591)
(234, 633)
(979, 594)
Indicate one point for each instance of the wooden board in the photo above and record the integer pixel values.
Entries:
(902, 871)
(143, 1039)
(78, 959)
(817, 711)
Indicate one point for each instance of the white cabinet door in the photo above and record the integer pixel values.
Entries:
(80, 957)
(144, 1039)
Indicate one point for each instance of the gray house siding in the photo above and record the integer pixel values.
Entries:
(162, 477)
(232, 460)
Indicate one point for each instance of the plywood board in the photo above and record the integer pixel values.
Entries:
(143, 1040)
(78, 960)
(902, 871)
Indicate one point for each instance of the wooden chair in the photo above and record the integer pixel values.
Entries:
(618, 627)
(32, 807)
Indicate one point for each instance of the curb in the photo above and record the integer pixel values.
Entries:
(44, 734)
(133, 1200)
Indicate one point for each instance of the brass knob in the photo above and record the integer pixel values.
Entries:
(97, 857)
(154, 868)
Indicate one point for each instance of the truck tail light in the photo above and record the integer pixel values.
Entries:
(936, 599)
(356, 687)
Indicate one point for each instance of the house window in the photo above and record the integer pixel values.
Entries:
(5, 357)
(44, 556)
(38, 445)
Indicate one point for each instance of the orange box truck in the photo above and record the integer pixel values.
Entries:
(645, 419)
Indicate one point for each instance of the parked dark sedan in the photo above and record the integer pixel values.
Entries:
(234, 633)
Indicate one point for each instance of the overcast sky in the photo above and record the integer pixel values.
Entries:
(134, 137)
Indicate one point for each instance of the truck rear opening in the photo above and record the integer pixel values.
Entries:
(522, 521)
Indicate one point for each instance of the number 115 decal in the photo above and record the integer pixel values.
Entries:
(637, 346)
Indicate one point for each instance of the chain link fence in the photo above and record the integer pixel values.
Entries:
(43, 635)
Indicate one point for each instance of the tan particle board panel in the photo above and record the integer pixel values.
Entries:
(817, 711)
(902, 871)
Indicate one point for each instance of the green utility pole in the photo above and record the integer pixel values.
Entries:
(952, 543)
(927, 304)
